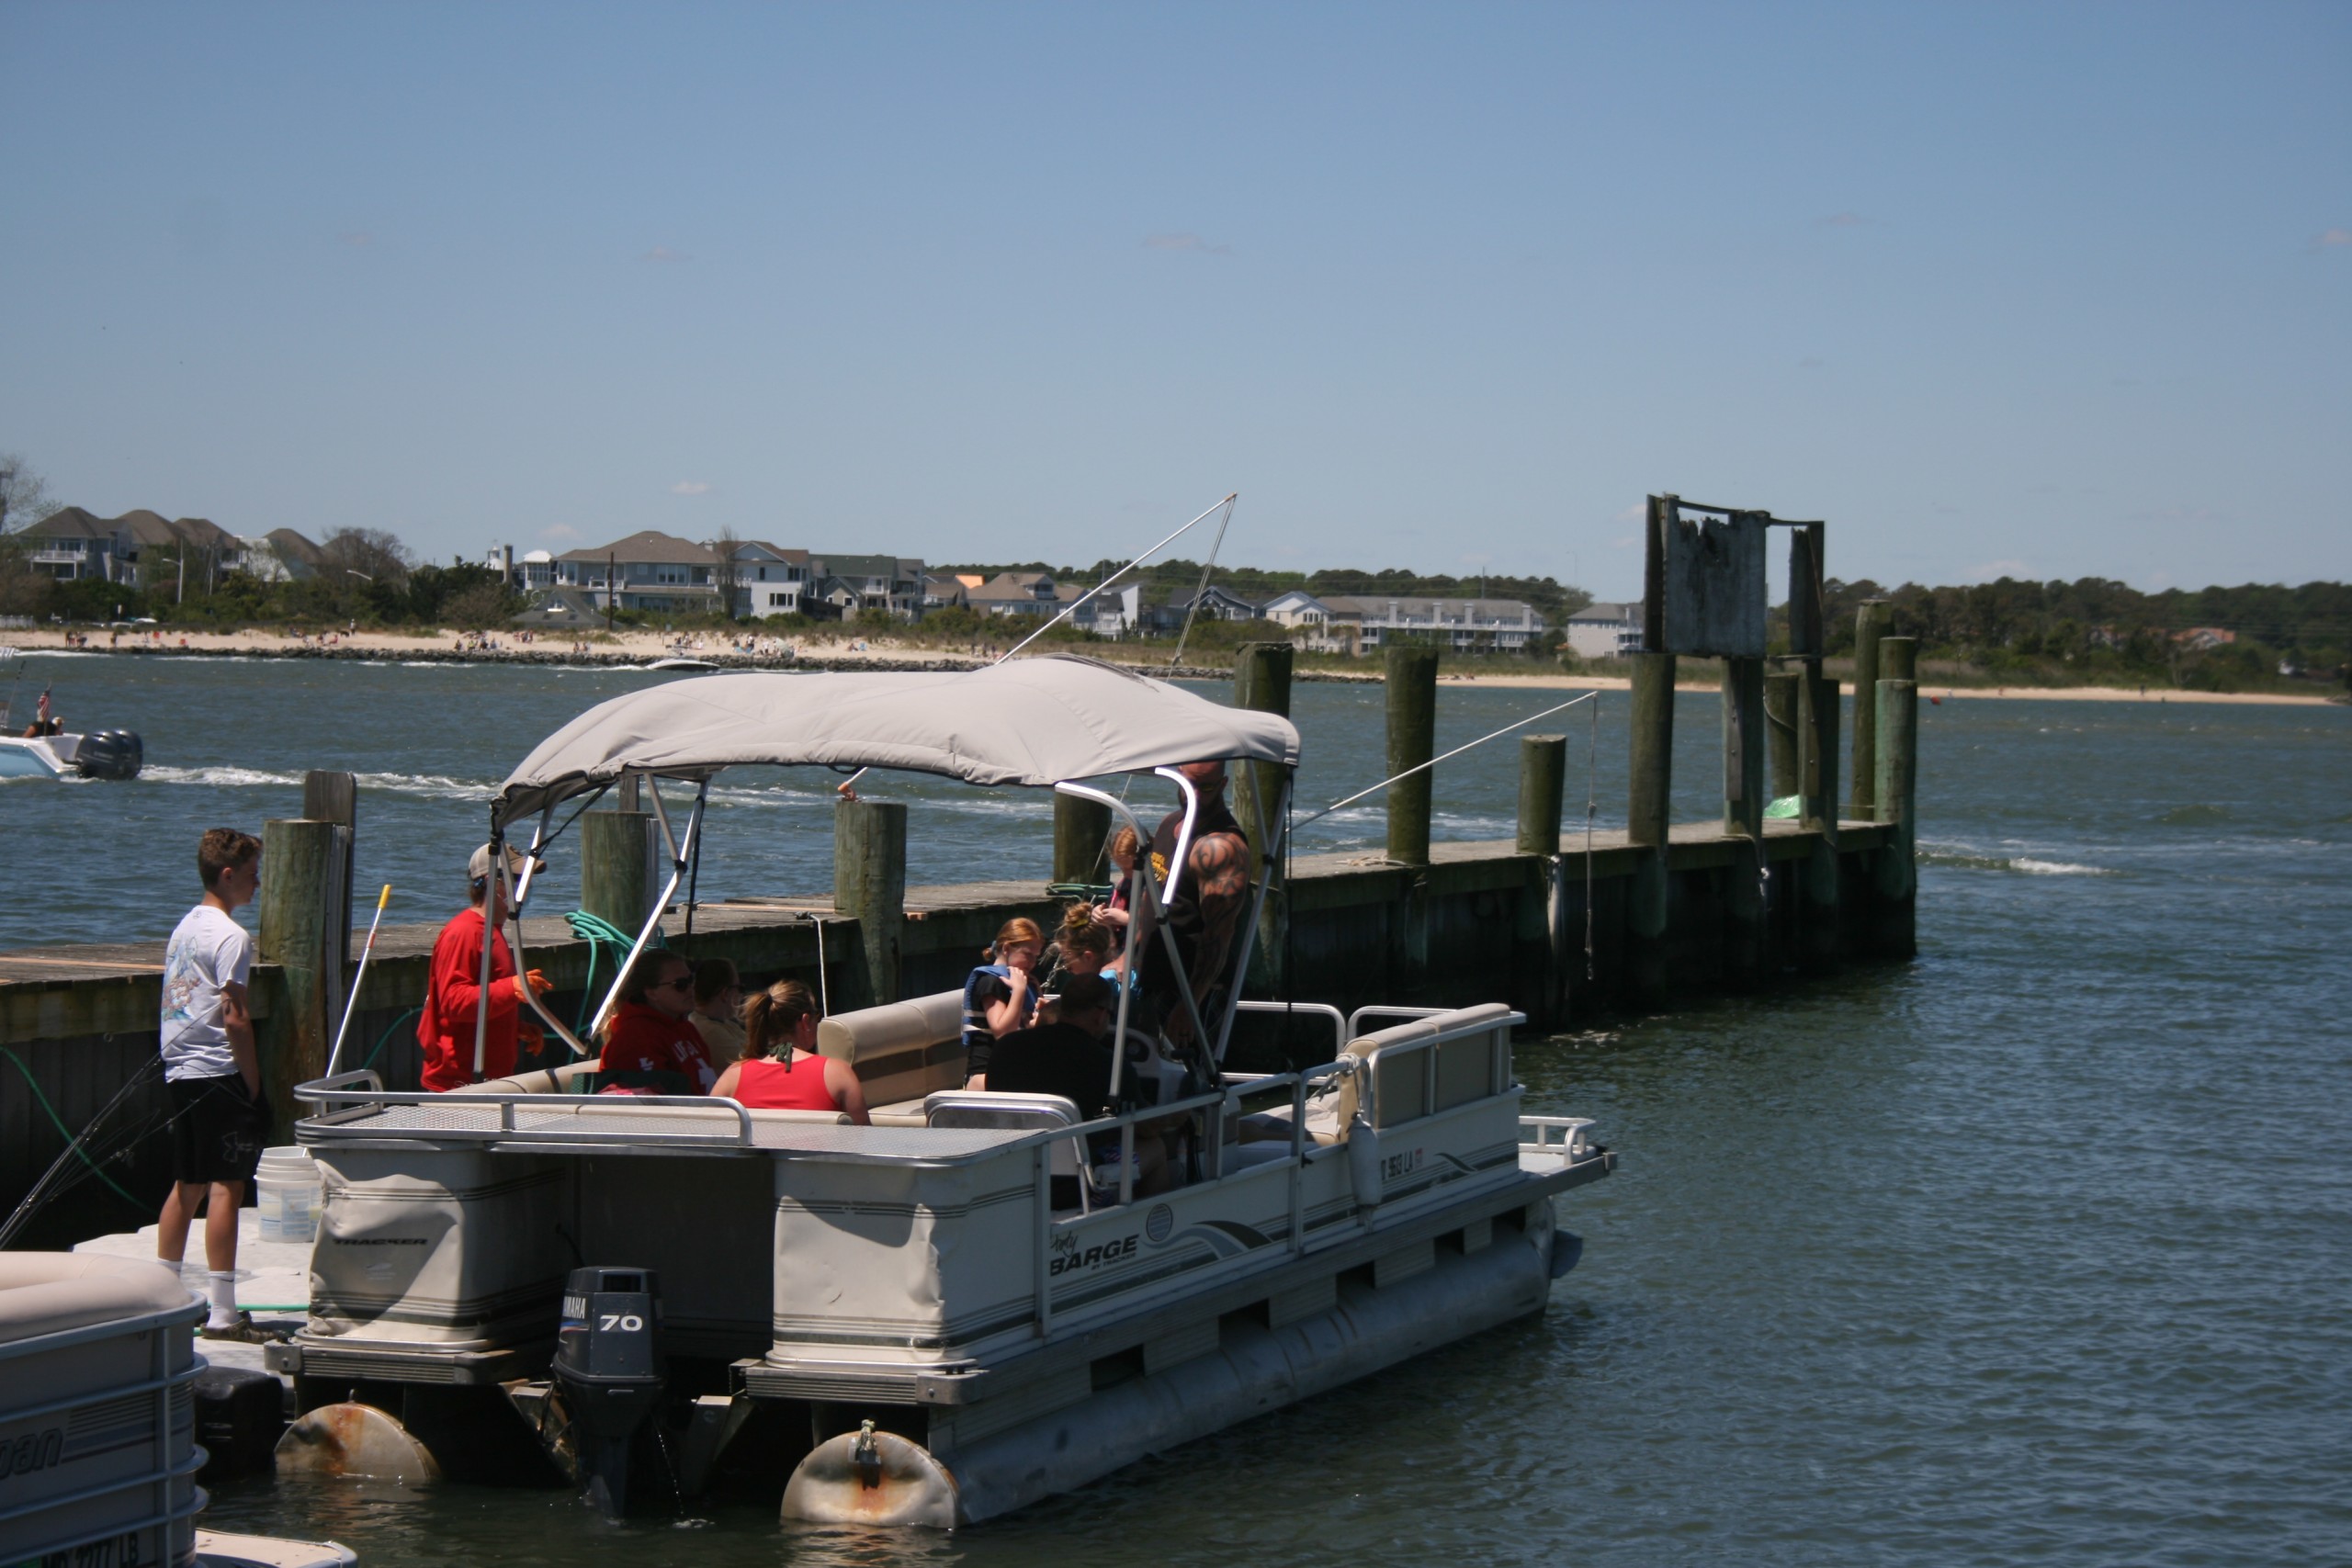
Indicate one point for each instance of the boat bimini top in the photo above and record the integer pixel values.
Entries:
(1047, 722)
(1031, 721)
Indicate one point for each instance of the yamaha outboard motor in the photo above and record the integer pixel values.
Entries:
(609, 1368)
(109, 754)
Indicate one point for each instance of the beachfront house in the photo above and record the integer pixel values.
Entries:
(1465, 626)
(769, 579)
(649, 570)
(852, 584)
(1015, 593)
(140, 548)
(1605, 631)
(945, 593)
(1113, 614)
(282, 555)
(1314, 626)
(1216, 604)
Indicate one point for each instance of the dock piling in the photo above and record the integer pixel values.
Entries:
(1081, 832)
(1412, 741)
(617, 875)
(1819, 939)
(1646, 819)
(1780, 704)
(1543, 784)
(301, 895)
(870, 885)
(1895, 875)
(1261, 678)
(1744, 755)
(1540, 928)
(329, 796)
(1870, 622)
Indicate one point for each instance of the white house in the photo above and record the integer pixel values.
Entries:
(1312, 624)
(1497, 626)
(769, 579)
(1605, 631)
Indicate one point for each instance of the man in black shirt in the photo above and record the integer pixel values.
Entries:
(1209, 902)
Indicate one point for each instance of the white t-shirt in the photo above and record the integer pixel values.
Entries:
(208, 950)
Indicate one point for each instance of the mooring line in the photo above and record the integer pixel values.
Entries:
(1433, 762)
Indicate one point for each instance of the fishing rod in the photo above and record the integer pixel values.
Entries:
(844, 787)
(351, 1002)
(1433, 762)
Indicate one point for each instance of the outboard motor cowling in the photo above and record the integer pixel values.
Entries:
(609, 1368)
(109, 754)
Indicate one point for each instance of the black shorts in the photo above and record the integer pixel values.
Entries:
(218, 1129)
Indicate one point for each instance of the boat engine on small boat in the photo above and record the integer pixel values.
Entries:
(964, 1306)
(46, 750)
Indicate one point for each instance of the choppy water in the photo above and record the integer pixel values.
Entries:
(2039, 1250)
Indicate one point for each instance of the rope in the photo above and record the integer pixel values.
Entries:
(1591, 810)
(599, 934)
(385, 1039)
(73, 1139)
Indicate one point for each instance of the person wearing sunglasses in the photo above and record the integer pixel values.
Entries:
(651, 1042)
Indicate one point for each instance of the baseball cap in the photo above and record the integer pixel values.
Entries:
(478, 868)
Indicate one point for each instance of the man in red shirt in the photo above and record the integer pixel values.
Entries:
(650, 1032)
(446, 1025)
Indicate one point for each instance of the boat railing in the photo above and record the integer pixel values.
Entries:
(1386, 1064)
(1339, 1024)
(467, 1117)
(1564, 1138)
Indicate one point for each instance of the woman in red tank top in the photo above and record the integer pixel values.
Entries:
(781, 1070)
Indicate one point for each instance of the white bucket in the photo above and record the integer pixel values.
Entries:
(286, 1190)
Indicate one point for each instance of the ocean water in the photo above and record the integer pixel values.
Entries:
(2038, 1250)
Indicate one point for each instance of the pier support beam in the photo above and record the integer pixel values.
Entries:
(301, 898)
(329, 796)
(618, 880)
(1412, 741)
(1870, 623)
(870, 884)
(1646, 821)
(1781, 700)
(1895, 875)
(1817, 929)
(1261, 675)
(1898, 659)
(1744, 751)
(1082, 837)
(1540, 932)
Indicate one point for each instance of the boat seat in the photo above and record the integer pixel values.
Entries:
(1023, 1113)
(831, 1118)
(902, 1053)
(555, 1080)
(1468, 1068)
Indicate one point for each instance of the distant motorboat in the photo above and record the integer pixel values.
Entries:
(680, 664)
(52, 753)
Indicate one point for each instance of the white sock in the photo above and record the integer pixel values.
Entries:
(223, 1288)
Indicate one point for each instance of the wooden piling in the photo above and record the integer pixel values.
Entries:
(1781, 701)
(329, 796)
(870, 885)
(1261, 678)
(301, 889)
(1412, 741)
(1648, 819)
(1743, 883)
(1081, 834)
(1895, 875)
(617, 883)
(1539, 931)
(1898, 659)
(1870, 622)
(1819, 939)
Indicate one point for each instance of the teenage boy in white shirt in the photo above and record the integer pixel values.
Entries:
(220, 1120)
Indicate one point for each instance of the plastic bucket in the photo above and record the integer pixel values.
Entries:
(286, 1190)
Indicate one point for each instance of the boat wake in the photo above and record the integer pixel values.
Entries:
(427, 786)
(2024, 865)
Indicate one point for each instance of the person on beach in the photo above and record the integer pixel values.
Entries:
(649, 1046)
(1000, 996)
(719, 1003)
(212, 1074)
(781, 1070)
(445, 1026)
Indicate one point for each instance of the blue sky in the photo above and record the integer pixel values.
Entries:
(2050, 290)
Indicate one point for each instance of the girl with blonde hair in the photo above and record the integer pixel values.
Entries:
(1000, 996)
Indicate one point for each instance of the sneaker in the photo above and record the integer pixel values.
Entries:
(244, 1331)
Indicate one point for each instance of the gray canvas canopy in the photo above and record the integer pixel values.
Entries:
(1028, 721)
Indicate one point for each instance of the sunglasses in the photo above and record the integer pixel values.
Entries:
(682, 983)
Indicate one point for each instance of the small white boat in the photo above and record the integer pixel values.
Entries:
(968, 1305)
(105, 754)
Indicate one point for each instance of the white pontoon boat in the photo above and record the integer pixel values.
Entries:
(957, 1309)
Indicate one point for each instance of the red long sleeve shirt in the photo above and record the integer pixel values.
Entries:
(446, 1027)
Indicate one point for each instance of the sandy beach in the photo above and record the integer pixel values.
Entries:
(643, 647)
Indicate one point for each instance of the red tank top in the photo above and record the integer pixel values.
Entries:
(763, 1085)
